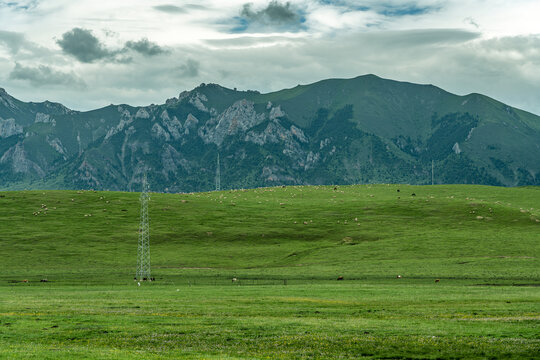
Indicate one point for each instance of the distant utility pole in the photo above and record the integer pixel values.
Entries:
(218, 175)
(143, 250)
(431, 171)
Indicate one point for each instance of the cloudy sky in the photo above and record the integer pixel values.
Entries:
(90, 53)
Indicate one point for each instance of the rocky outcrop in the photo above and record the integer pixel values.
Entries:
(299, 134)
(238, 118)
(44, 118)
(173, 125)
(159, 133)
(56, 144)
(142, 114)
(8, 127)
(272, 134)
(197, 99)
(6, 100)
(125, 120)
(17, 157)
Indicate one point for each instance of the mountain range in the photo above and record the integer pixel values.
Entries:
(336, 131)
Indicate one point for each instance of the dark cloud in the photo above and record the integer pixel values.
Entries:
(190, 68)
(145, 47)
(274, 15)
(405, 10)
(385, 8)
(173, 9)
(83, 45)
(43, 75)
(12, 40)
(20, 5)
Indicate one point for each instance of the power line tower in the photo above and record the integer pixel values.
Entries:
(431, 172)
(218, 175)
(143, 250)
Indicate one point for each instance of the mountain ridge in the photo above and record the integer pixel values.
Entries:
(361, 130)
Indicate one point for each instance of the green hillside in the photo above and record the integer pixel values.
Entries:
(297, 232)
(429, 272)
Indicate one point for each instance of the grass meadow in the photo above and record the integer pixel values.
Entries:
(448, 271)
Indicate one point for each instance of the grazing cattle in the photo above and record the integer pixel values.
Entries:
(397, 190)
(437, 280)
(413, 194)
(340, 278)
(234, 279)
(399, 276)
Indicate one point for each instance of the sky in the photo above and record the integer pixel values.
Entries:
(88, 54)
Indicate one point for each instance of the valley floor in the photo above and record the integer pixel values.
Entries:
(439, 272)
(398, 318)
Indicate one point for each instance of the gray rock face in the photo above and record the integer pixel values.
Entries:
(173, 125)
(299, 134)
(239, 117)
(142, 114)
(44, 118)
(56, 144)
(125, 120)
(16, 156)
(160, 133)
(470, 134)
(8, 127)
(273, 133)
(311, 160)
(190, 124)
(275, 112)
(6, 100)
(197, 100)
(172, 160)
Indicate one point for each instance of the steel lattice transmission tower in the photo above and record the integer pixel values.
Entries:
(143, 250)
(218, 175)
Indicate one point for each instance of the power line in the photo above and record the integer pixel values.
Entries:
(431, 171)
(218, 175)
(143, 250)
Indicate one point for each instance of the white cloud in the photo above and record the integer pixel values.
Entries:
(461, 46)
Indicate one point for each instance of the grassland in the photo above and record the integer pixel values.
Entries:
(286, 247)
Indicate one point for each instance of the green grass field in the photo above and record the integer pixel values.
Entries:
(286, 246)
